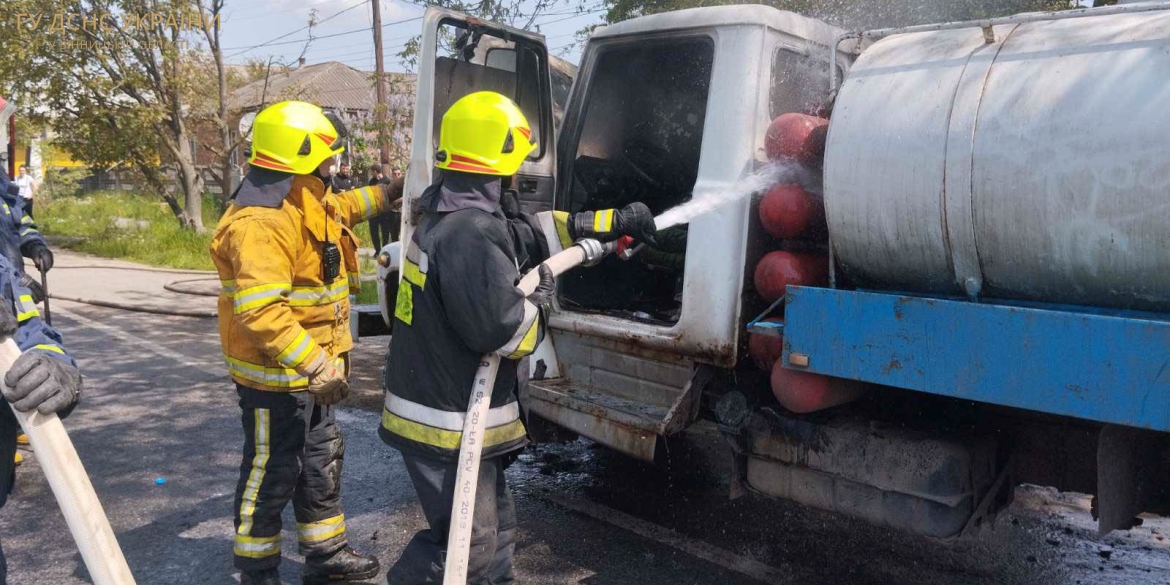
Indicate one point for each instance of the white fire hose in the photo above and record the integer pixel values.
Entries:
(471, 446)
(70, 484)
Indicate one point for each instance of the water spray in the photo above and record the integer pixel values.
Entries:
(705, 201)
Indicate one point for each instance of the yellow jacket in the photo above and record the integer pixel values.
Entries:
(277, 317)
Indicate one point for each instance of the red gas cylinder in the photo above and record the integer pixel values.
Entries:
(765, 349)
(803, 392)
(787, 211)
(777, 270)
(798, 136)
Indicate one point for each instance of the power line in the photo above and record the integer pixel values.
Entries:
(289, 34)
(572, 17)
(335, 35)
(269, 14)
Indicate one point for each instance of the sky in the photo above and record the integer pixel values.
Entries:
(249, 23)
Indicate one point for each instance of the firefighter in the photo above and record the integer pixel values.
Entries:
(18, 233)
(20, 239)
(288, 262)
(44, 378)
(459, 301)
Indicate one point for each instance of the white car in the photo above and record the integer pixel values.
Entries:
(388, 261)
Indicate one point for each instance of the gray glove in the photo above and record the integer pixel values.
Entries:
(34, 288)
(7, 320)
(38, 381)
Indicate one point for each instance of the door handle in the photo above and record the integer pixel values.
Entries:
(528, 185)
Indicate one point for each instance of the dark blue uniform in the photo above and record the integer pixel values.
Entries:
(32, 335)
(17, 231)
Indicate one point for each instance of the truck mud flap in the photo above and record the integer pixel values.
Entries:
(928, 484)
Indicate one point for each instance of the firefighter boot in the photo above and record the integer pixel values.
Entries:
(343, 565)
(261, 577)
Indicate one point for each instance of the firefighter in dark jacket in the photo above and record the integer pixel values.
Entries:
(44, 378)
(459, 301)
(19, 236)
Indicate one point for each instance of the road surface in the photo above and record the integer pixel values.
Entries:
(157, 404)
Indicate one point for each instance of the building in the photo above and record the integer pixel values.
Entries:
(342, 89)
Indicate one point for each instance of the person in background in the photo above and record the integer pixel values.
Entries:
(28, 188)
(384, 227)
(343, 181)
(397, 173)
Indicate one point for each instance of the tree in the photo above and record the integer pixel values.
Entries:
(226, 145)
(114, 79)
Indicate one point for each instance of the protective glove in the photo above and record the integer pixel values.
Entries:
(7, 320)
(34, 288)
(634, 220)
(41, 382)
(547, 288)
(327, 383)
(392, 193)
(41, 256)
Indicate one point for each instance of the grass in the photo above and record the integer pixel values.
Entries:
(89, 223)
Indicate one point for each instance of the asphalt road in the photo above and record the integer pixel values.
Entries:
(158, 405)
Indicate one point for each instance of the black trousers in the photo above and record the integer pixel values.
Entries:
(384, 229)
(493, 527)
(292, 450)
(8, 428)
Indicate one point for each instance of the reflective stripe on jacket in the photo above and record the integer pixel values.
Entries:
(17, 229)
(458, 301)
(277, 316)
(32, 335)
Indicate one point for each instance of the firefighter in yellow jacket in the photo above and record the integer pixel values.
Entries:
(288, 261)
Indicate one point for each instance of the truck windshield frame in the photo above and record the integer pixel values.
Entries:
(529, 66)
(636, 134)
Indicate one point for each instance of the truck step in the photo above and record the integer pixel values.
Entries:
(629, 426)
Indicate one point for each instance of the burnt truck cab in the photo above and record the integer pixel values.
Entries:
(677, 103)
(662, 106)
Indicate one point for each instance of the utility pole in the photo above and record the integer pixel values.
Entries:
(380, 89)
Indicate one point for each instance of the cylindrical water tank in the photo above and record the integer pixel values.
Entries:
(1035, 167)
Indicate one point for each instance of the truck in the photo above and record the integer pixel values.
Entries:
(959, 284)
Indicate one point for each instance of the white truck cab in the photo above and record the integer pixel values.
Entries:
(680, 102)
(662, 105)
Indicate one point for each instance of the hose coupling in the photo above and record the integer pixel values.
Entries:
(594, 250)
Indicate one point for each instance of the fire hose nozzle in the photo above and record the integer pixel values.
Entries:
(630, 252)
(595, 250)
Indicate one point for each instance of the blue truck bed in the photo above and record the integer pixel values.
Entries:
(1103, 366)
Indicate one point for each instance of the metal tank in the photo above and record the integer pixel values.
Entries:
(1027, 160)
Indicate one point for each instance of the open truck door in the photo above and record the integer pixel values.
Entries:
(459, 55)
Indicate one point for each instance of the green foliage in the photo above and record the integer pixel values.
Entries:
(107, 224)
(114, 93)
(65, 182)
(368, 294)
(89, 224)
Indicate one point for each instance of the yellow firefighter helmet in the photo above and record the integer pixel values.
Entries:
(295, 137)
(484, 133)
